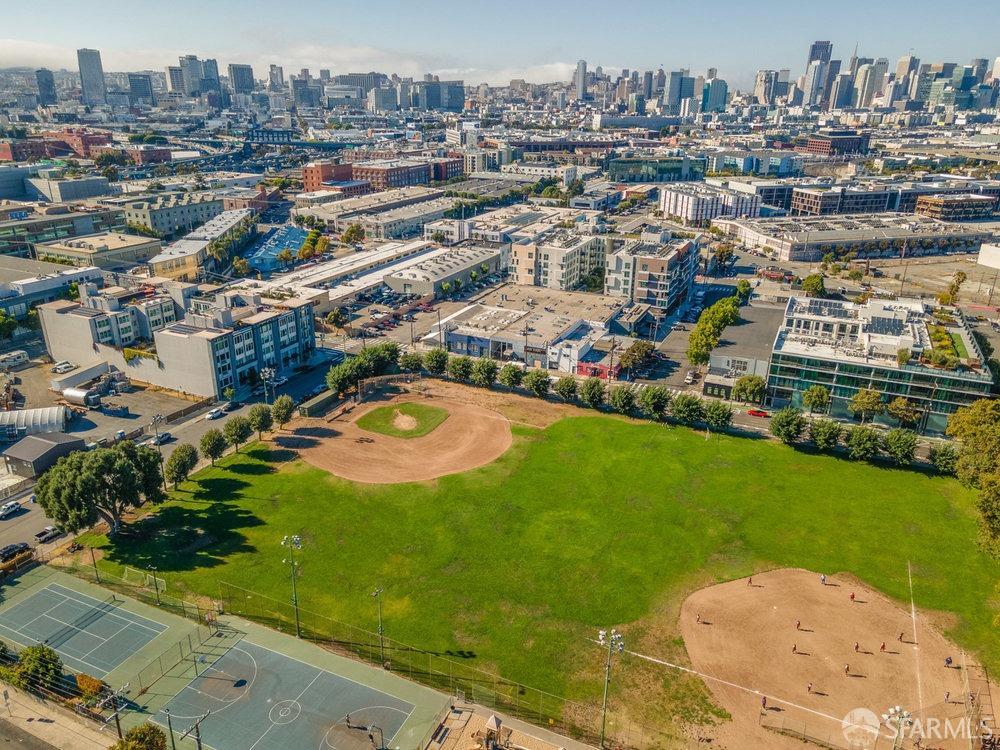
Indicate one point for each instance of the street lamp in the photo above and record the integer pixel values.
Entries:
(293, 543)
(377, 595)
(267, 375)
(615, 642)
(899, 718)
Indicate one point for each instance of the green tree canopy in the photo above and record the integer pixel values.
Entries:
(213, 445)
(237, 431)
(825, 434)
(282, 410)
(749, 389)
(436, 360)
(510, 376)
(977, 428)
(813, 285)
(687, 408)
(565, 388)
(654, 401)
(788, 424)
(816, 398)
(901, 445)
(484, 372)
(622, 399)
(537, 381)
(592, 392)
(142, 737)
(863, 443)
(260, 419)
(945, 458)
(718, 414)
(460, 368)
(180, 464)
(85, 486)
(866, 404)
(903, 411)
(411, 362)
(37, 667)
(637, 354)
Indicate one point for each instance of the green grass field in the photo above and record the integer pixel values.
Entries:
(592, 522)
(383, 419)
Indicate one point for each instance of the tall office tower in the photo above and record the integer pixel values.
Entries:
(763, 86)
(192, 72)
(241, 78)
(980, 67)
(716, 94)
(815, 82)
(175, 79)
(210, 77)
(906, 65)
(46, 86)
(865, 85)
(276, 78)
(92, 87)
(647, 84)
(140, 88)
(820, 51)
(995, 72)
(832, 71)
(660, 82)
(881, 71)
(781, 85)
(580, 79)
(852, 66)
(841, 91)
(324, 75)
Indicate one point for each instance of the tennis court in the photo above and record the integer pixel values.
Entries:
(259, 699)
(90, 635)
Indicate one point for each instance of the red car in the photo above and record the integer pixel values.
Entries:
(757, 413)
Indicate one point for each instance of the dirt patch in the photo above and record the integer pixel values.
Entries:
(534, 412)
(471, 436)
(744, 641)
(403, 422)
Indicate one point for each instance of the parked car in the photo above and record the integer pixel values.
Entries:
(48, 534)
(11, 551)
(758, 413)
(9, 509)
(214, 414)
(62, 367)
(278, 382)
(163, 437)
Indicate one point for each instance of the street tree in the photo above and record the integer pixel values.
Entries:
(788, 424)
(180, 464)
(411, 362)
(977, 429)
(142, 737)
(537, 381)
(866, 404)
(816, 398)
(863, 443)
(37, 666)
(749, 389)
(213, 445)
(484, 372)
(104, 483)
(825, 434)
(718, 414)
(687, 408)
(945, 458)
(261, 419)
(282, 410)
(654, 401)
(622, 399)
(510, 376)
(901, 445)
(565, 388)
(436, 360)
(813, 285)
(636, 355)
(237, 431)
(903, 411)
(592, 392)
(460, 368)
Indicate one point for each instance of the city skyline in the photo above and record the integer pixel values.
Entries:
(358, 39)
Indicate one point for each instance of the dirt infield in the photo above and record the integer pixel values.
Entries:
(743, 646)
(471, 436)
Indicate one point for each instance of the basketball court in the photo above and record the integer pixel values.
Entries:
(259, 699)
(90, 635)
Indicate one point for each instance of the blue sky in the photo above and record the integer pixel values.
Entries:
(496, 40)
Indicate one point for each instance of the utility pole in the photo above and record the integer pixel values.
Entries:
(615, 642)
(156, 438)
(293, 543)
(170, 730)
(196, 728)
(377, 594)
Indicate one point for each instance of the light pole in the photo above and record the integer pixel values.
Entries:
(900, 718)
(156, 584)
(293, 543)
(377, 595)
(267, 375)
(615, 641)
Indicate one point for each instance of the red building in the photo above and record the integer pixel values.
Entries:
(315, 173)
(837, 142)
(349, 188)
(446, 168)
(389, 174)
(23, 150)
(78, 140)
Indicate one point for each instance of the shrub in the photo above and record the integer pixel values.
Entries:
(436, 360)
(592, 392)
(788, 424)
(863, 443)
(537, 381)
(687, 409)
(825, 434)
(945, 458)
(89, 687)
(718, 414)
(622, 399)
(510, 376)
(565, 387)
(484, 372)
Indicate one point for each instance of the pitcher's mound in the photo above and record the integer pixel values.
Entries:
(471, 436)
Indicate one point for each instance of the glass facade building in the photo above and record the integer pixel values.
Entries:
(656, 168)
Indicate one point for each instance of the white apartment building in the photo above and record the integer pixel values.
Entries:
(652, 271)
(697, 205)
(557, 259)
(565, 173)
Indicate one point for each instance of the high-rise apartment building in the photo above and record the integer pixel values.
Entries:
(140, 88)
(241, 79)
(46, 86)
(175, 79)
(192, 73)
(276, 78)
(820, 51)
(93, 90)
(580, 79)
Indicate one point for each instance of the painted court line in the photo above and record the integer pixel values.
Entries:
(124, 615)
(294, 700)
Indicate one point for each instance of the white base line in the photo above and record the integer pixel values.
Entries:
(294, 700)
(916, 643)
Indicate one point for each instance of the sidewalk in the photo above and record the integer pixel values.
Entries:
(53, 724)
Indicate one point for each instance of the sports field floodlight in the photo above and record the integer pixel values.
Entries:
(377, 596)
(292, 543)
(615, 642)
(898, 718)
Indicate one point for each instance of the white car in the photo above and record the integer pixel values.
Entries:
(278, 382)
(214, 414)
(48, 534)
(9, 509)
(62, 367)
